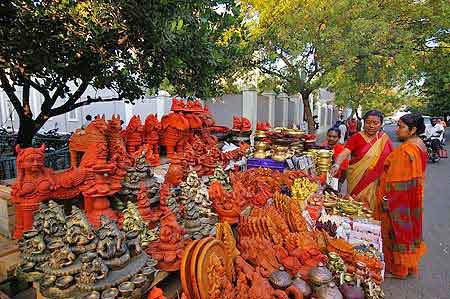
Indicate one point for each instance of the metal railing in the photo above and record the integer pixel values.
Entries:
(57, 160)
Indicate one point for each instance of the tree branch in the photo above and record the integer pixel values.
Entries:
(67, 106)
(10, 92)
(64, 108)
(271, 72)
(26, 100)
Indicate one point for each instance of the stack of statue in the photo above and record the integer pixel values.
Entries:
(133, 221)
(152, 129)
(79, 234)
(169, 200)
(68, 259)
(117, 150)
(140, 172)
(149, 215)
(133, 134)
(221, 176)
(174, 128)
(168, 250)
(198, 218)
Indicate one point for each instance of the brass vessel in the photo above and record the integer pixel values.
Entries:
(280, 154)
(261, 150)
(260, 134)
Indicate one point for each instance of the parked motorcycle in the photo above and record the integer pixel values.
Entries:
(433, 146)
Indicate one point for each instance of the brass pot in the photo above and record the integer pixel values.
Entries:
(260, 134)
(280, 154)
(295, 133)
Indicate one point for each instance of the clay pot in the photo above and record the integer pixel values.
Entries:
(350, 291)
(320, 275)
(329, 291)
(280, 279)
(110, 293)
(139, 280)
(304, 287)
(92, 295)
(126, 288)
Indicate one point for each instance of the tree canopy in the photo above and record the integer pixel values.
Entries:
(365, 51)
(128, 46)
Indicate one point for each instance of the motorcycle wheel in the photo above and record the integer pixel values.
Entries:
(435, 158)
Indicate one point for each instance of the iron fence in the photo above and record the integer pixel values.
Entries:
(57, 160)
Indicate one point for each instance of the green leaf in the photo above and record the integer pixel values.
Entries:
(180, 24)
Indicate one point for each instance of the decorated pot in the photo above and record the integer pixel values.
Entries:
(350, 291)
(320, 275)
(304, 287)
(329, 291)
(280, 279)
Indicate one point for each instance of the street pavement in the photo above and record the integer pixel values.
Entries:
(433, 281)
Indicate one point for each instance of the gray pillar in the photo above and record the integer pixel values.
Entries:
(250, 105)
(284, 98)
(271, 96)
(297, 104)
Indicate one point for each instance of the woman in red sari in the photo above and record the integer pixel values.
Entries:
(400, 199)
(368, 149)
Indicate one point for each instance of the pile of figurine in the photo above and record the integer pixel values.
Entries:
(69, 259)
(237, 234)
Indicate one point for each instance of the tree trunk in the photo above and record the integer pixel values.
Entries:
(28, 128)
(308, 112)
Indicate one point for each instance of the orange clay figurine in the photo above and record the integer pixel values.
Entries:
(156, 293)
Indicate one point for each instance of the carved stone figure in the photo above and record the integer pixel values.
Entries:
(112, 239)
(61, 257)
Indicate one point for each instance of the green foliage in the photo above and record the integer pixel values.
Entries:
(435, 90)
(129, 46)
(365, 51)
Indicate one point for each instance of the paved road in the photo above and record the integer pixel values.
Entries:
(434, 278)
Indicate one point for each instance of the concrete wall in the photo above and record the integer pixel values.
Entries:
(284, 110)
(224, 109)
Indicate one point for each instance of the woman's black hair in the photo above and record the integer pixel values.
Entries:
(376, 113)
(414, 120)
(335, 129)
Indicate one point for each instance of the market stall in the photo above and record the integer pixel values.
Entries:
(222, 220)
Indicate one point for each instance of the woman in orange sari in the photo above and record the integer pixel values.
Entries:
(331, 143)
(400, 199)
(368, 149)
